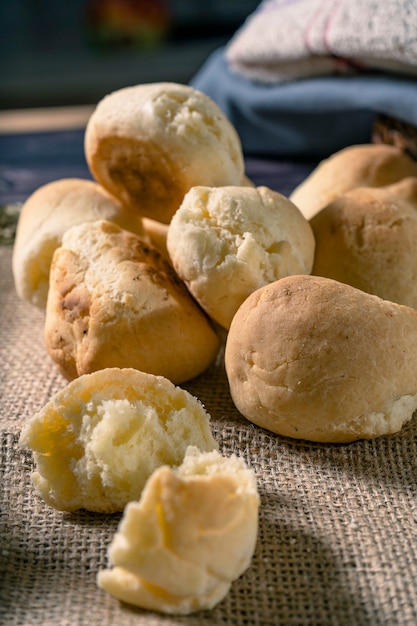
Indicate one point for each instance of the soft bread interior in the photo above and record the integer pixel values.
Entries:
(98, 440)
(191, 534)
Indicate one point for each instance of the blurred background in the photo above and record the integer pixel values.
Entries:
(73, 53)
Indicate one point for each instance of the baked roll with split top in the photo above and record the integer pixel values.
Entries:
(149, 144)
(114, 301)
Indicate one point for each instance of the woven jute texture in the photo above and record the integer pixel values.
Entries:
(338, 523)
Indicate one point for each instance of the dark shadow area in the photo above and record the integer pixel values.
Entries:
(68, 53)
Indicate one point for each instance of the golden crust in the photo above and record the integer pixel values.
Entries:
(44, 218)
(157, 232)
(115, 302)
(140, 173)
(367, 165)
(311, 358)
(150, 143)
(367, 238)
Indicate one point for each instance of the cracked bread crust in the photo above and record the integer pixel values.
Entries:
(365, 165)
(366, 238)
(46, 215)
(226, 242)
(148, 144)
(115, 302)
(311, 358)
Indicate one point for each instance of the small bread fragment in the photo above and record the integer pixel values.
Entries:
(365, 165)
(115, 302)
(45, 216)
(312, 358)
(226, 242)
(192, 533)
(96, 442)
(150, 143)
(367, 238)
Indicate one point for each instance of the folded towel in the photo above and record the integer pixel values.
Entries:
(289, 39)
(310, 117)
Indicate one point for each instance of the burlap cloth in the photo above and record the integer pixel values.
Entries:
(338, 523)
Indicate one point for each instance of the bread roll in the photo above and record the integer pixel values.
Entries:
(192, 533)
(311, 358)
(226, 242)
(115, 302)
(367, 165)
(44, 218)
(156, 233)
(96, 442)
(148, 144)
(367, 238)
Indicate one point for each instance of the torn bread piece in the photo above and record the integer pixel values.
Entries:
(96, 442)
(192, 533)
